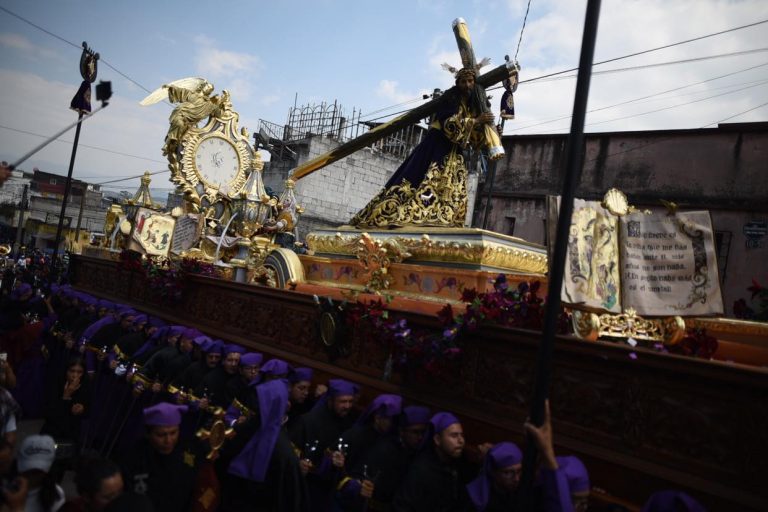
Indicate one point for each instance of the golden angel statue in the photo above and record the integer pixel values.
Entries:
(195, 103)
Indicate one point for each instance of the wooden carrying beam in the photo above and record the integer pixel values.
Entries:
(492, 77)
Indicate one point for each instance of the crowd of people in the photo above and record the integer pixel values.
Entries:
(151, 416)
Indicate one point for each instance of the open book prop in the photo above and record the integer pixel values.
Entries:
(623, 264)
(152, 232)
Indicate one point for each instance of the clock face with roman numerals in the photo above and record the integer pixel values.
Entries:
(217, 162)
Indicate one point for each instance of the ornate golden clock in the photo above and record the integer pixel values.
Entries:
(210, 164)
(215, 159)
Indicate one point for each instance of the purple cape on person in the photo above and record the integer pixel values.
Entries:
(672, 501)
(501, 455)
(253, 461)
(383, 405)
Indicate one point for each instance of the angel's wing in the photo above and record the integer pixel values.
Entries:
(191, 83)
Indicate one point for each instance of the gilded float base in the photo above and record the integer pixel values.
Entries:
(425, 263)
(466, 248)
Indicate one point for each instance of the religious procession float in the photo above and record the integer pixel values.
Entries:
(407, 300)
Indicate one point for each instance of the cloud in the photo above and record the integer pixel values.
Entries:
(28, 48)
(390, 91)
(34, 104)
(213, 62)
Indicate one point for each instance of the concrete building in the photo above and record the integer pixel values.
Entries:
(86, 208)
(723, 170)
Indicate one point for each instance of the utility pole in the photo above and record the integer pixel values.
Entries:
(20, 225)
(82, 103)
(80, 215)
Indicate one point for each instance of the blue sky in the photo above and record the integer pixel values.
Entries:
(366, 54)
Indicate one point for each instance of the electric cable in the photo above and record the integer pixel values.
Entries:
(644, 97)
(525, 18)
(79, 47)
(82, 145)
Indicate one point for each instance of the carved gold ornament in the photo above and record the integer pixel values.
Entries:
(462, 247)
(590, 326)
(439, 200)
(376, 256)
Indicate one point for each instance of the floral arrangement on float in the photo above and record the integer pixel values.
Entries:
(420, 352)
(164, 277)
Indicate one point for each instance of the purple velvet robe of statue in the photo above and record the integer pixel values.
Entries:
(434, 148)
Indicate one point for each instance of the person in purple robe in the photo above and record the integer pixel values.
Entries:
(437, 478)
(239, 389)
(494, 489)
(160, 467)
(301, 383)
(388, 460)
(265, 474)
(318, 436)
(213, 387)
(377, 421)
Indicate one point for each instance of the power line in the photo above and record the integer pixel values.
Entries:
(131, 178)
(79, 47)
(651, 50)
(525, 18)
(614, 59)
(660, 64)
(669, 107)
(736, 115)
(82, 145)
(645, 97)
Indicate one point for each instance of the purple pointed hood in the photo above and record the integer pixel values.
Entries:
(253, 461)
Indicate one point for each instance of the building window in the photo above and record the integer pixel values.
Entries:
(510, 226)
(722, 247)
(53, 181)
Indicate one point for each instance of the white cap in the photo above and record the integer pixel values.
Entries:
(36, 452)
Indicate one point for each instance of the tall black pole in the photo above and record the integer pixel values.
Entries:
(489, 193)
(573, 163)
(67, 189)
(20, 226)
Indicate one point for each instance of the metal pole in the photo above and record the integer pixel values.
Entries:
(489, 183)
(79, 121)
(573, 165)
(67, 188)
(80, 215)
(20, 225)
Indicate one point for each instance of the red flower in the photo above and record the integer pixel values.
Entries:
(446, 315)
(755, 288)
(469, 295)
